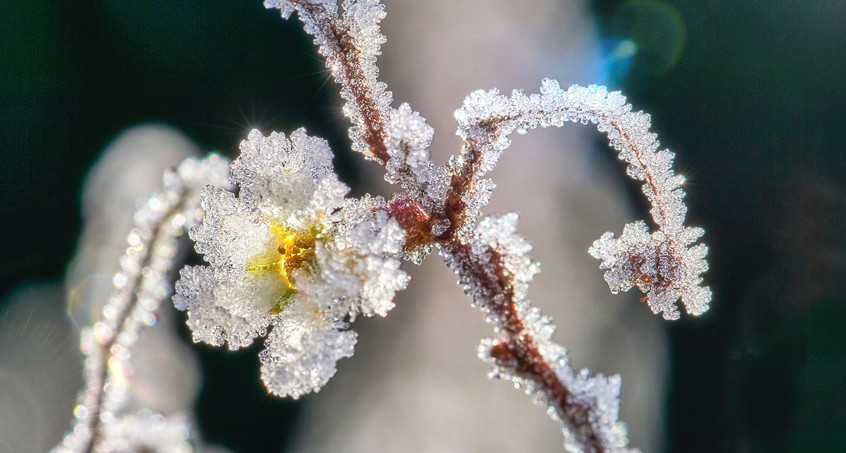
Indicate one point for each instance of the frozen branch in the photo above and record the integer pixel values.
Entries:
(350, 43)
(442, 207)
(663, 264)
(102, 423)
(495, 270)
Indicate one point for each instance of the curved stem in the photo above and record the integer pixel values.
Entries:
(124, 320)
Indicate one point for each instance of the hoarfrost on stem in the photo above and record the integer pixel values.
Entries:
(441, 206)
(663, 264)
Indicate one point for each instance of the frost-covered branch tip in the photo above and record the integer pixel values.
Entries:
(664, 264)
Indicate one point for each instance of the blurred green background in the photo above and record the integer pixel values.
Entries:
(749, 94)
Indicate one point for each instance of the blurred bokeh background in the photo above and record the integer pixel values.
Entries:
(751, 96)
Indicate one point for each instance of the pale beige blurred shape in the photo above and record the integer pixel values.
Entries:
(40, 369)
(165, 377)
(415, 384)
(40, 363)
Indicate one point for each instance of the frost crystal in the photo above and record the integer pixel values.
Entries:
(408, 139)
(289, 253)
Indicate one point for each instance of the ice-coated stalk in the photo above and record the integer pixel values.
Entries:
(102, 423)
(665, 264)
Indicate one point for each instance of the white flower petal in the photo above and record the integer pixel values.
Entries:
(232, 233)
(303, 350)
(225, 308)
(361, 262)
(279, 175)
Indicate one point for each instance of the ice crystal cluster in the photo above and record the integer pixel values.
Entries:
(292, 259)
(292, 255)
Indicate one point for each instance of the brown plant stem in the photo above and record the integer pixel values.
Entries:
(519, 351)
(351, 77)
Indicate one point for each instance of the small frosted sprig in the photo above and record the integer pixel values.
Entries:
(399, 138)
(102, 423)
(663, 264)
(292, 254)
(665, 268)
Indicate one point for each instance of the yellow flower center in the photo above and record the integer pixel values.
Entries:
(291, 250)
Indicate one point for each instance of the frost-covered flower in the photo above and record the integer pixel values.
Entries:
(290, 253)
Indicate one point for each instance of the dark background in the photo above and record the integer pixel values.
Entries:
(750, 95)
